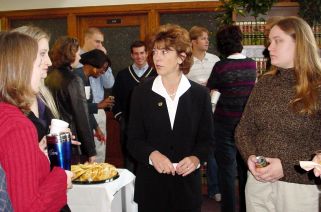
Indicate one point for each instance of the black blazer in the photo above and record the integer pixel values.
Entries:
(69, 94)
(150, 129)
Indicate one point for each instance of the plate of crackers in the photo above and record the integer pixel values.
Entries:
(93, 173)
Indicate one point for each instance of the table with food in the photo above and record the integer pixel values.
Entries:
(101, 187)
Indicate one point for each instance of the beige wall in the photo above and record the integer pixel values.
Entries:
(8, 5)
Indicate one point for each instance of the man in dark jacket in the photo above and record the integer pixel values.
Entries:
(125, 82)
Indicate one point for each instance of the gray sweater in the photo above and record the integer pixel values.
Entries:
(269, 127)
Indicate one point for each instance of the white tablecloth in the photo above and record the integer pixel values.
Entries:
(115, 196)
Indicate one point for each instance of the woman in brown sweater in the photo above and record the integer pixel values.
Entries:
(282, 122)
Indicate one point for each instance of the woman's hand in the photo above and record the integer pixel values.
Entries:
(100, 135)
(92, 159)
(69, 178)
(107, 102)
(271, 173)
(187, 165)
(161, 163)
(317, 159)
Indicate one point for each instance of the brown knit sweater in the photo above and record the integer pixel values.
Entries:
(270, 128)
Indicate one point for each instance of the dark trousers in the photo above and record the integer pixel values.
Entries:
(242, 175)
(129, 161)
(212, 176)
(225, 153)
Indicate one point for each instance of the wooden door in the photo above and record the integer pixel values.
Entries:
(119, 32)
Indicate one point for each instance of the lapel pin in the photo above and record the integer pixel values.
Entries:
(160, 104)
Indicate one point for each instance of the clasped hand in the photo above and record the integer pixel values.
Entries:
(271, 173)
(163, 165)
(317, 159)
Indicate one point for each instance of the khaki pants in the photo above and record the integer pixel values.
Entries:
(100, 147)
(280, 196)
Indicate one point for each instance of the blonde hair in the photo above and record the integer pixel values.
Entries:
(44, 93)
(91, 31)
(17, 55)
(307, 65)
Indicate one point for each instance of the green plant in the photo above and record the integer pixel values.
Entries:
(257, 7)
(310, 10)
(254, 8)
(229, 7)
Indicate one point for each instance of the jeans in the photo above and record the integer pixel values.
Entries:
(212, 176)
(225, 153)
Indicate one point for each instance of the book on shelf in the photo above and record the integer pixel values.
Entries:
(316, 28)
(253, 32)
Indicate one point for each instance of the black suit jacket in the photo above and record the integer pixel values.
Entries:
(69, 94)
(150, 129)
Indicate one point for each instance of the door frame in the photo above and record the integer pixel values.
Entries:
(101, 21)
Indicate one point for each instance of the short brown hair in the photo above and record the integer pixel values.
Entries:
(197, 31)
(63, 52)
(176, 37)
(17, 55)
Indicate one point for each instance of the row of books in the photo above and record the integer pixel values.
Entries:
(260, 65)
(316, 28)
(253, 32)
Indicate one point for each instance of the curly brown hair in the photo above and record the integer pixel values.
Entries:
(63, 52)
(176, 37)
(17, 55)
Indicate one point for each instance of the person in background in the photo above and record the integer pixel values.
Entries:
(5, 203)
(234, 77)
(95, 63)
(170, 128)
(31, 185)
(203, 61)
(126, 80)
(269, 23)
(94, 39)
(281, 122)
(200, 72)
(68, 91)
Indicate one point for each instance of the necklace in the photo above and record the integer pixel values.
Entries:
(172, 95)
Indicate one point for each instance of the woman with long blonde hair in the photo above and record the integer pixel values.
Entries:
(282, 122)
(31, 184)
(43, 106)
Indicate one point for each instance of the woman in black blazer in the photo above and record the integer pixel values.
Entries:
(170, 128)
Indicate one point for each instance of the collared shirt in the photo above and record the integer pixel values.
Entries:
(172, 104)
(140, 71)
(98, 84)
(236, 56)
(201, 69)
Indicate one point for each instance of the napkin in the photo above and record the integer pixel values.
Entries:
(309, 165)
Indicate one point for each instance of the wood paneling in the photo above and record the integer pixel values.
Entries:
(74, 14)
